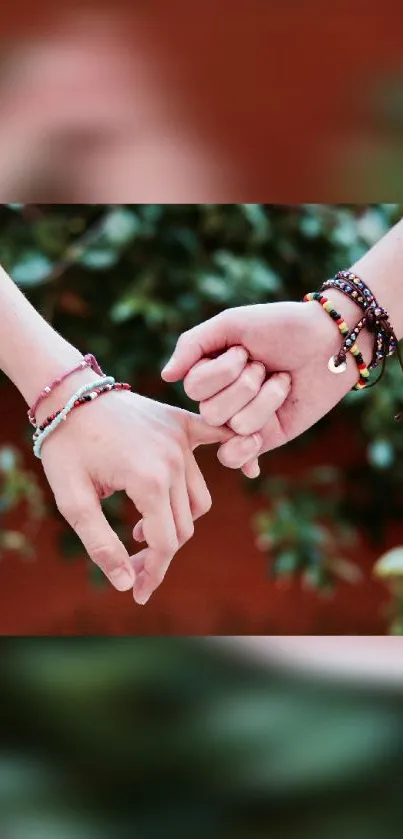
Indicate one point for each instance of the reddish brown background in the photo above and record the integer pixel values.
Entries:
(283, 89)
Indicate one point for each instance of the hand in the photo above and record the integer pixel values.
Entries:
(124, 441)
(294, 338)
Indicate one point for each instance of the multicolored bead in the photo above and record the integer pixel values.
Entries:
(349, 344)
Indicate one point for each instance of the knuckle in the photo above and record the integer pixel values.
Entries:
(172, 548)
(208, 502)
(209, 413)
(173, 458)
(157, 483)
(205, 504)
(185, 339)
(238, 424)
(101, 555)
(232, 365)
(69, 509)
(166, 550)
(226, 458)
(190, 384)
(186, 533)
(250, 385)
(226, 316)
(158, 575)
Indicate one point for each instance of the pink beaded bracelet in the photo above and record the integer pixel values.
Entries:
(89, 360)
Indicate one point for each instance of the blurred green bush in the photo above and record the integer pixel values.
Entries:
(170, 738)
(125, 281)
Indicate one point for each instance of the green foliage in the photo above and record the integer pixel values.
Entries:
(18, 486)
(125, 281)
(389, 568)
(304, 530)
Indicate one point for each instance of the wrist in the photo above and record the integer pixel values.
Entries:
(48, 363)
(56, 400)
(328, 339)
(352, 313)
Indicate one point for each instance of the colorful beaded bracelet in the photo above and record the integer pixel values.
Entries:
(89, 360)
(335, 364)
(375, 318)
(88, 397)
(62, 416)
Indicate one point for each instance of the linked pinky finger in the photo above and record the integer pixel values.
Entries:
(251, 469)
(238, 451)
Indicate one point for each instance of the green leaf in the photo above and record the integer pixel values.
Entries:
(127, 308)
(9, 458)
(51, 234)
(99, 258)
(121, 226)
(70, 545)
(32, 269)
(286, 562)
(214, 287)
(381, 454)
(97, 577)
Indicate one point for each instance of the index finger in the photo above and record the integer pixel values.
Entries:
(160, 534)
(218, 333)
(210, 376)
(82, 510)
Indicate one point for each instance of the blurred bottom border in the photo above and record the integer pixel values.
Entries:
(165, 737)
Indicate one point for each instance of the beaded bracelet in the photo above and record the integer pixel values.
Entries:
(89, 360)
(376, 319)
(87, 388)
(89, 397)
(335, 364)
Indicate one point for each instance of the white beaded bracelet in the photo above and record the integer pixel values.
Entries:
(87, 388)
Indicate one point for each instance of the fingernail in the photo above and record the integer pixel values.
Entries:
(285, 380)
(121, 578)
(255, 472)
(142, 598)
(257, 440)
(168, 365)
(260, 364)
(241, 352)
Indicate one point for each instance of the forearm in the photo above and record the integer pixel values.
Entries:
(32, 353)
(381, 268)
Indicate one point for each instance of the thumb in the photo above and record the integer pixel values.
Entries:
(209, 337)
(202, 434)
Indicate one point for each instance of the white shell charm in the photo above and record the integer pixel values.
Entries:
(339, 368)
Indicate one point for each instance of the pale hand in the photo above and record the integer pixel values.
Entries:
(124, 441)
